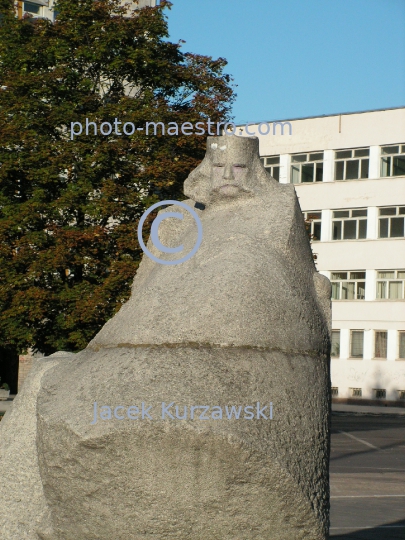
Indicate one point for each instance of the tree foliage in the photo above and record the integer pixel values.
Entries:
(69, 208)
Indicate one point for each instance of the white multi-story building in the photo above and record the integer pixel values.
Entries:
(45, 8)
(349, 175)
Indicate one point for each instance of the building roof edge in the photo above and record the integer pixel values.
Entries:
(324, 115)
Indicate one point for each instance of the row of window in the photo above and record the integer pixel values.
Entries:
(351, 224)
(357, 344)
(352, 285)
(378, 393)
(351, 164)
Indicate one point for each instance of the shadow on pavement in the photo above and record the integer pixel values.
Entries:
(365, 422)
(356, 424)
(389, 531)
(368, 451)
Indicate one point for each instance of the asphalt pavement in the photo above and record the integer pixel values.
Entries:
(367, 474)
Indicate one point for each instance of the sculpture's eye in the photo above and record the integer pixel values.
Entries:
(218, 170)
(238, 170)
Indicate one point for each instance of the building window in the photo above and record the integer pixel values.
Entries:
(351, 164)
(401, 351)
(392, 226)
(348, 285)
(401, 394)
(313, 225)
(393, 160)
(356, 343)
(272, 166)
(335, 344)
(380, 393)
(380, 344)
(32, 9)
(307, 168)
(390, 284)
(355, 392)
(335, 391)
(349, 224)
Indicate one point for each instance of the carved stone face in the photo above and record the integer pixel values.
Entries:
(230, 170)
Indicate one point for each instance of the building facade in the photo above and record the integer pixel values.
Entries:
(349, 175)
(46, 8)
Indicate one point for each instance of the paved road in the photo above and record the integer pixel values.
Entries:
(367, 477)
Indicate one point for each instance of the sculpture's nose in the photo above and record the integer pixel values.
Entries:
(228, 173)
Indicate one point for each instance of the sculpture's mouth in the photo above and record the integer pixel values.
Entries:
(230, 190)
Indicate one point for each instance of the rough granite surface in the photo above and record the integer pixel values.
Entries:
(245, 320)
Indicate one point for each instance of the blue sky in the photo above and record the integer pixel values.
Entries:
(297, 58)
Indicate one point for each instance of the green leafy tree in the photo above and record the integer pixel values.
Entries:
(69, 208)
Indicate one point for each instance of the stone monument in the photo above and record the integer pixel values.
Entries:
(201, 410)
